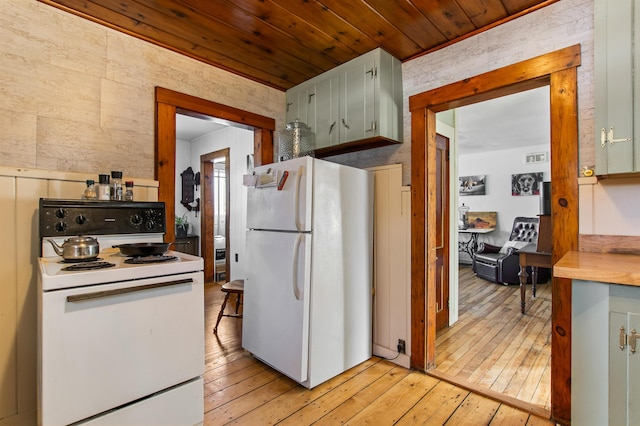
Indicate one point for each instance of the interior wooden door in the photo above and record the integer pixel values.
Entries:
(442, 231)
(207, 251)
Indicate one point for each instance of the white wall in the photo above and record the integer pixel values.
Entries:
(183, 160)
(498, 166)
(240, 144)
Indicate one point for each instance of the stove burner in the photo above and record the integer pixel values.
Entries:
(150, 259)
(88, 260)
(87, 266)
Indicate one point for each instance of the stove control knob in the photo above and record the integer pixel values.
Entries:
(136, 220)
(60, 213)
(61, 226)
(150, 225)
(81, 219)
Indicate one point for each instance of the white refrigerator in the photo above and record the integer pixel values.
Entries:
(308, 288)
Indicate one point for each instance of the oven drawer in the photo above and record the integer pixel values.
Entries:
(107, 345)
(182, 405)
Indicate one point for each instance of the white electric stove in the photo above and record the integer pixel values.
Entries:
(123, 344)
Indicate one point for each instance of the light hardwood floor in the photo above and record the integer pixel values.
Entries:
(494, 346)
(241, 390)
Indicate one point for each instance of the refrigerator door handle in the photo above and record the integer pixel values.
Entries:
(296, 198)
(294, 269)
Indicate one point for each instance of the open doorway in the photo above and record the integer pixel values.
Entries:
(558, 71)
(490, 141)
(168, 103)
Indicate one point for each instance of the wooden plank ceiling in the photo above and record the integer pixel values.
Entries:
(282, 43)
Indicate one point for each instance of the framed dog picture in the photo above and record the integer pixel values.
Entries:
(526, 183)
(471, 185)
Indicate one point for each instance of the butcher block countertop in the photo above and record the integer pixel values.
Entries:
(603, 267)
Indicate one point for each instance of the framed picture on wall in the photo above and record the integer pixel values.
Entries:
(526, 183)
(472, 185)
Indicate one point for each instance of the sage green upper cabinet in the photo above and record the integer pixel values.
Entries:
(617, 84)
(355, 106)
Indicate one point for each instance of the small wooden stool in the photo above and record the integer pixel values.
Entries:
(232, 287)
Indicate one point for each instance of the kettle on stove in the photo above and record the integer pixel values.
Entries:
(77, 248)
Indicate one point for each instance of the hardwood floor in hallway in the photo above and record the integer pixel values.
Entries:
(242, 390)
(495, 347)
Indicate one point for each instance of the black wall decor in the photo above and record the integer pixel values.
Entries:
(189, 182)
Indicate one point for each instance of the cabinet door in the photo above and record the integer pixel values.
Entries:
(327, 111)
(617, 369)
(624, 369)
(357, 112)
(291, 111)
(296, 104)
(310, 98)
(614, 85)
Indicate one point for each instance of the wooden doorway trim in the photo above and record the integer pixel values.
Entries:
(207, 225)
(558, 71)
(167, 103)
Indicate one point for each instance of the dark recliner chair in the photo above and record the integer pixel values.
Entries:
(501, 264)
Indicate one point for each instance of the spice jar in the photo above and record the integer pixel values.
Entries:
(90, 190)
(104, 189)
(128, 194)
(116, 186)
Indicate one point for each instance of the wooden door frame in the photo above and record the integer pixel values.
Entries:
(207, 226)
(558, 70)
(167, 102)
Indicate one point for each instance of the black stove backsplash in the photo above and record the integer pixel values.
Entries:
(61, 218)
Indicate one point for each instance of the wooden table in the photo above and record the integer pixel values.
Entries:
(530, 257)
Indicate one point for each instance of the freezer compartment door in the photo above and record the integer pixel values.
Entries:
(282, 205)
(276, 300)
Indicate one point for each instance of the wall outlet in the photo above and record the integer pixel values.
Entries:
(401, 346)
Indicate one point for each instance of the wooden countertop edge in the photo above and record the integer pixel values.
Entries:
(602, 267)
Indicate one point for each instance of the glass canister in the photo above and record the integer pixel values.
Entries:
(463, 220)
(296, 140)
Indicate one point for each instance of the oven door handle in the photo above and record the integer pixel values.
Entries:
(107, 293)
